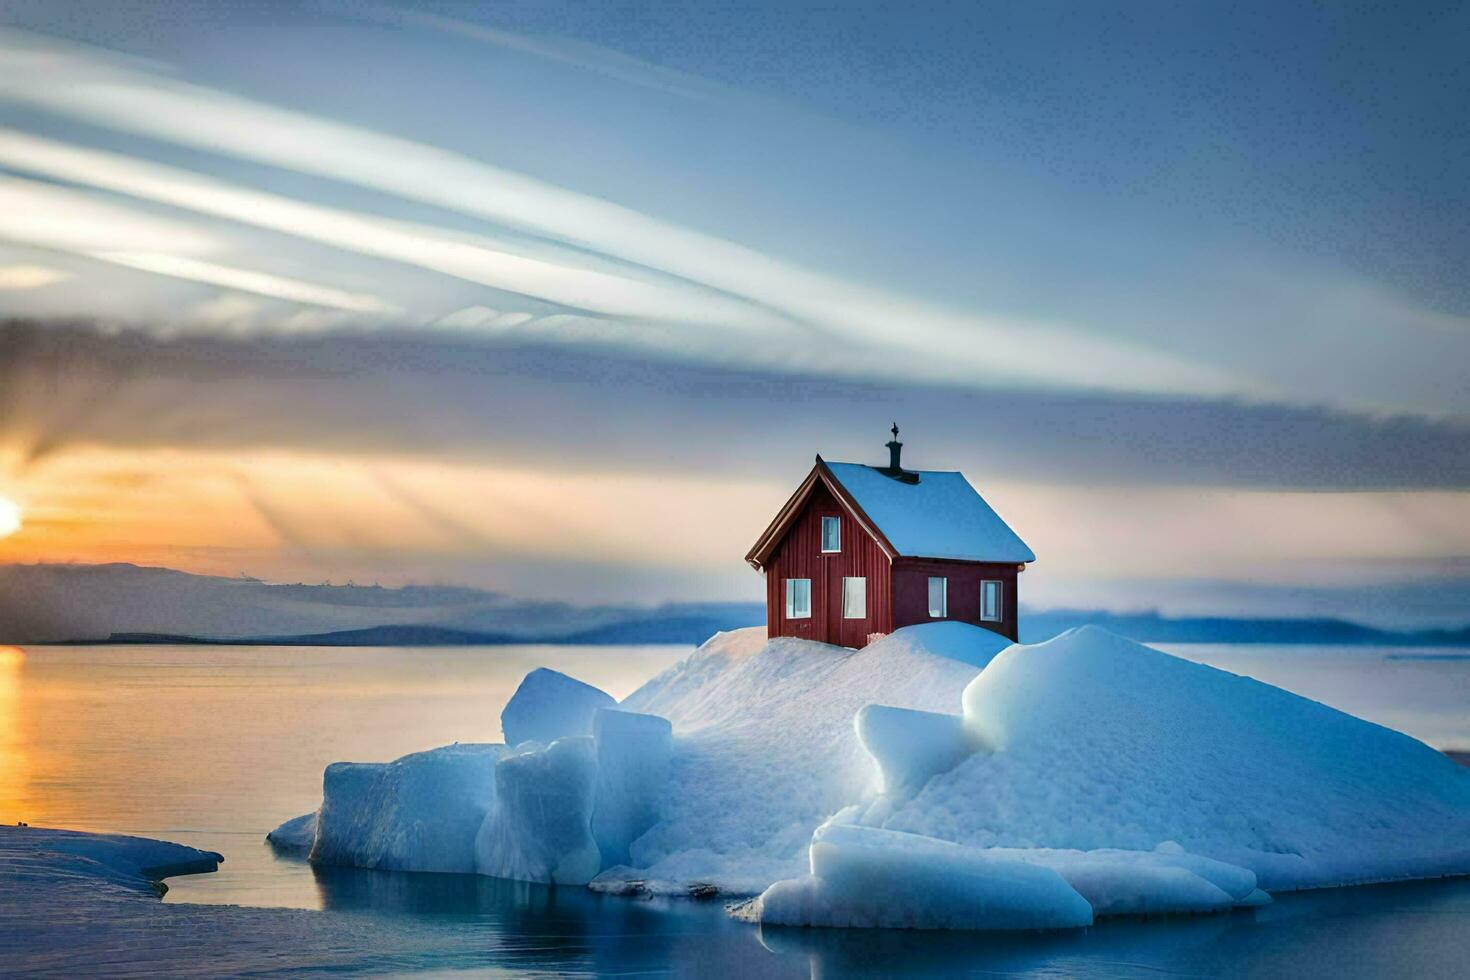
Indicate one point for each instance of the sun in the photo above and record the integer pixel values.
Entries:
(9, 517)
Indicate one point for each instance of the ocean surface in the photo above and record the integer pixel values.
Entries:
(214, 746)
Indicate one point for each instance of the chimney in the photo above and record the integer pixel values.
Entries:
(894, 449)
(895, 469)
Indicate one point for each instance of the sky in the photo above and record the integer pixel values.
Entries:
(562, 299)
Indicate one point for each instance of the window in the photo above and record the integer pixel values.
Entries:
(938, 597)
(990, 604)
(798, 598)
(854, 598)
(831, 535)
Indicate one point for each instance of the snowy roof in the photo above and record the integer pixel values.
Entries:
(940, 516)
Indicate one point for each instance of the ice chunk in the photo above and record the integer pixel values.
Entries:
(864, 878)
(541, 827)
(296, 834)
(633, 755)
(419, 813)
(549, 705)
(911, 746)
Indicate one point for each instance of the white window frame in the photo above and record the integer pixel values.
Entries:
(854, 590)
(1000, 600)
(837, 526)
(792, 609)
(943, 597)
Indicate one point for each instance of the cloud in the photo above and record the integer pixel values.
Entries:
(905, 332)
(246, 280)
(442, 394)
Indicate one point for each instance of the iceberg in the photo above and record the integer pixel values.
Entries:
(983, 784)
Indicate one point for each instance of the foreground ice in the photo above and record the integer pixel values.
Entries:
(987, 784)
(136, 864)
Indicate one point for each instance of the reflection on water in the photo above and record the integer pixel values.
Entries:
(14, 757)
(1412, 929)
(1419, 929)
(214, 746)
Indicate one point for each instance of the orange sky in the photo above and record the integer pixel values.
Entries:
(297, 516)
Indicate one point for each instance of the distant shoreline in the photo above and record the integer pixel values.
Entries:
(693, 630)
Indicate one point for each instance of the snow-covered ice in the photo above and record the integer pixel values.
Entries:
(136, 864)
(765, 747)
(1094, 741)
(550, 705)
(986, 783)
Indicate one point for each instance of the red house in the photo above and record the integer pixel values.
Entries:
(863, 550)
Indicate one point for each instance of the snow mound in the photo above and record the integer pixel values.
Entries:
(550, 705)
(765, 748)
(868, 878)
(1095, 742)
(419, 813)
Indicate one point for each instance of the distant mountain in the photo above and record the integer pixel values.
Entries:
(130, 604)
(1151, 627)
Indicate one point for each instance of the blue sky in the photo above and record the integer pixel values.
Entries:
(1143, 268)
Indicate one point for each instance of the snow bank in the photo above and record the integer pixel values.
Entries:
(1096, 742)
(419, 813)
(550, 705)
(868, 878)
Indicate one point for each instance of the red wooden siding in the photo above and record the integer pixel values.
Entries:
(911, 592)
(799, 555)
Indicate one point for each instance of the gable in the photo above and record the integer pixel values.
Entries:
(820, 478)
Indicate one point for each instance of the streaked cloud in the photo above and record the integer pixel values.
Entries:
(75, 82)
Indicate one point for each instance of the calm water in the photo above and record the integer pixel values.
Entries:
(213, 746)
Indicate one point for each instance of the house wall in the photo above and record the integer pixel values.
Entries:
(800, 556)
(911, 592)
